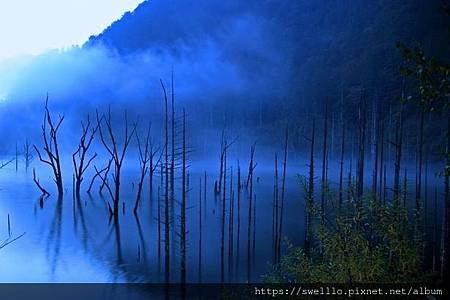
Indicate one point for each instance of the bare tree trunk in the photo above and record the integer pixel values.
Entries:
(446, 212)
(230, 225)
(159, 222)
(116, 154)
(222, 237)
(381, 163)
(17, 158)
(172, 156)
(27, 154)
(435, 233)
(375, 160)
(361, 157)
(425, 202)
(341, 166)
(324, 157)
(275, 209)
(218, 188)
(238, 238)
(384, 185)
(86, 139)
(398, 157)
(200, 225)
(104, 170)
(183, 205)
(350, 178)
(405, 188)
(331, 146)
(144, 158)
(419, 170)
(254, 229)
(51, 147)
(283, 185)
(204, 192)
(166, 194)
(250, 199)
(38, 184)
(310, 196)
(151, 172)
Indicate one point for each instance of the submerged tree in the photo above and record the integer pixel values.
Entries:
(51, 147)
(110, 142)
(80, 166)
(309, 201)
(282, 199)
(144, 159)
(251, 169)
(166, 188)
(27, 154)
(183, 230)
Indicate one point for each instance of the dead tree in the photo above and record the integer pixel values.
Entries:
(381, 192)
(4, 164)
(153, 166)
(230, 223)
(398, 157)
(104, 178)
(87, 136)
(27, 154)
(361, 150)
(144, 158)
(254, 228)
(159, 223)
(251, 168)
(405, 188)
(420, 165)
(238, 237)
(204, 190)
(324, 158)
(384, 184)
(104, 170)
(435, 230)
(110, 142)
(310, 196)
(17, 158)
(350, 179)
(445, 260)
(200, 232)
(341, 165)
(275, 208)
(375, 159)
(51, 147)
(10, 240)
(282, 199)
(38, 184)
(166, 191)
(425, 198)
(222, 237)
(172, 156)
(218, 187)
(183, 205)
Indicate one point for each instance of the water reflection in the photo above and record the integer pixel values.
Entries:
(54, 237)
(76, 239)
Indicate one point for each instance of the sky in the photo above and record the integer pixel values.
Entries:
(31, 27)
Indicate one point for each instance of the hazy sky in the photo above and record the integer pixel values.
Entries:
(34, 26)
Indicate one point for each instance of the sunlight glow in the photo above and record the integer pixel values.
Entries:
(33, 27)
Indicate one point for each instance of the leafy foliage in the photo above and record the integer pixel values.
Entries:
(430, 75)
(365, 244)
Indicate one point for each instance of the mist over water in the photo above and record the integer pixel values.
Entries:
(248, 72)
(74, 240)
